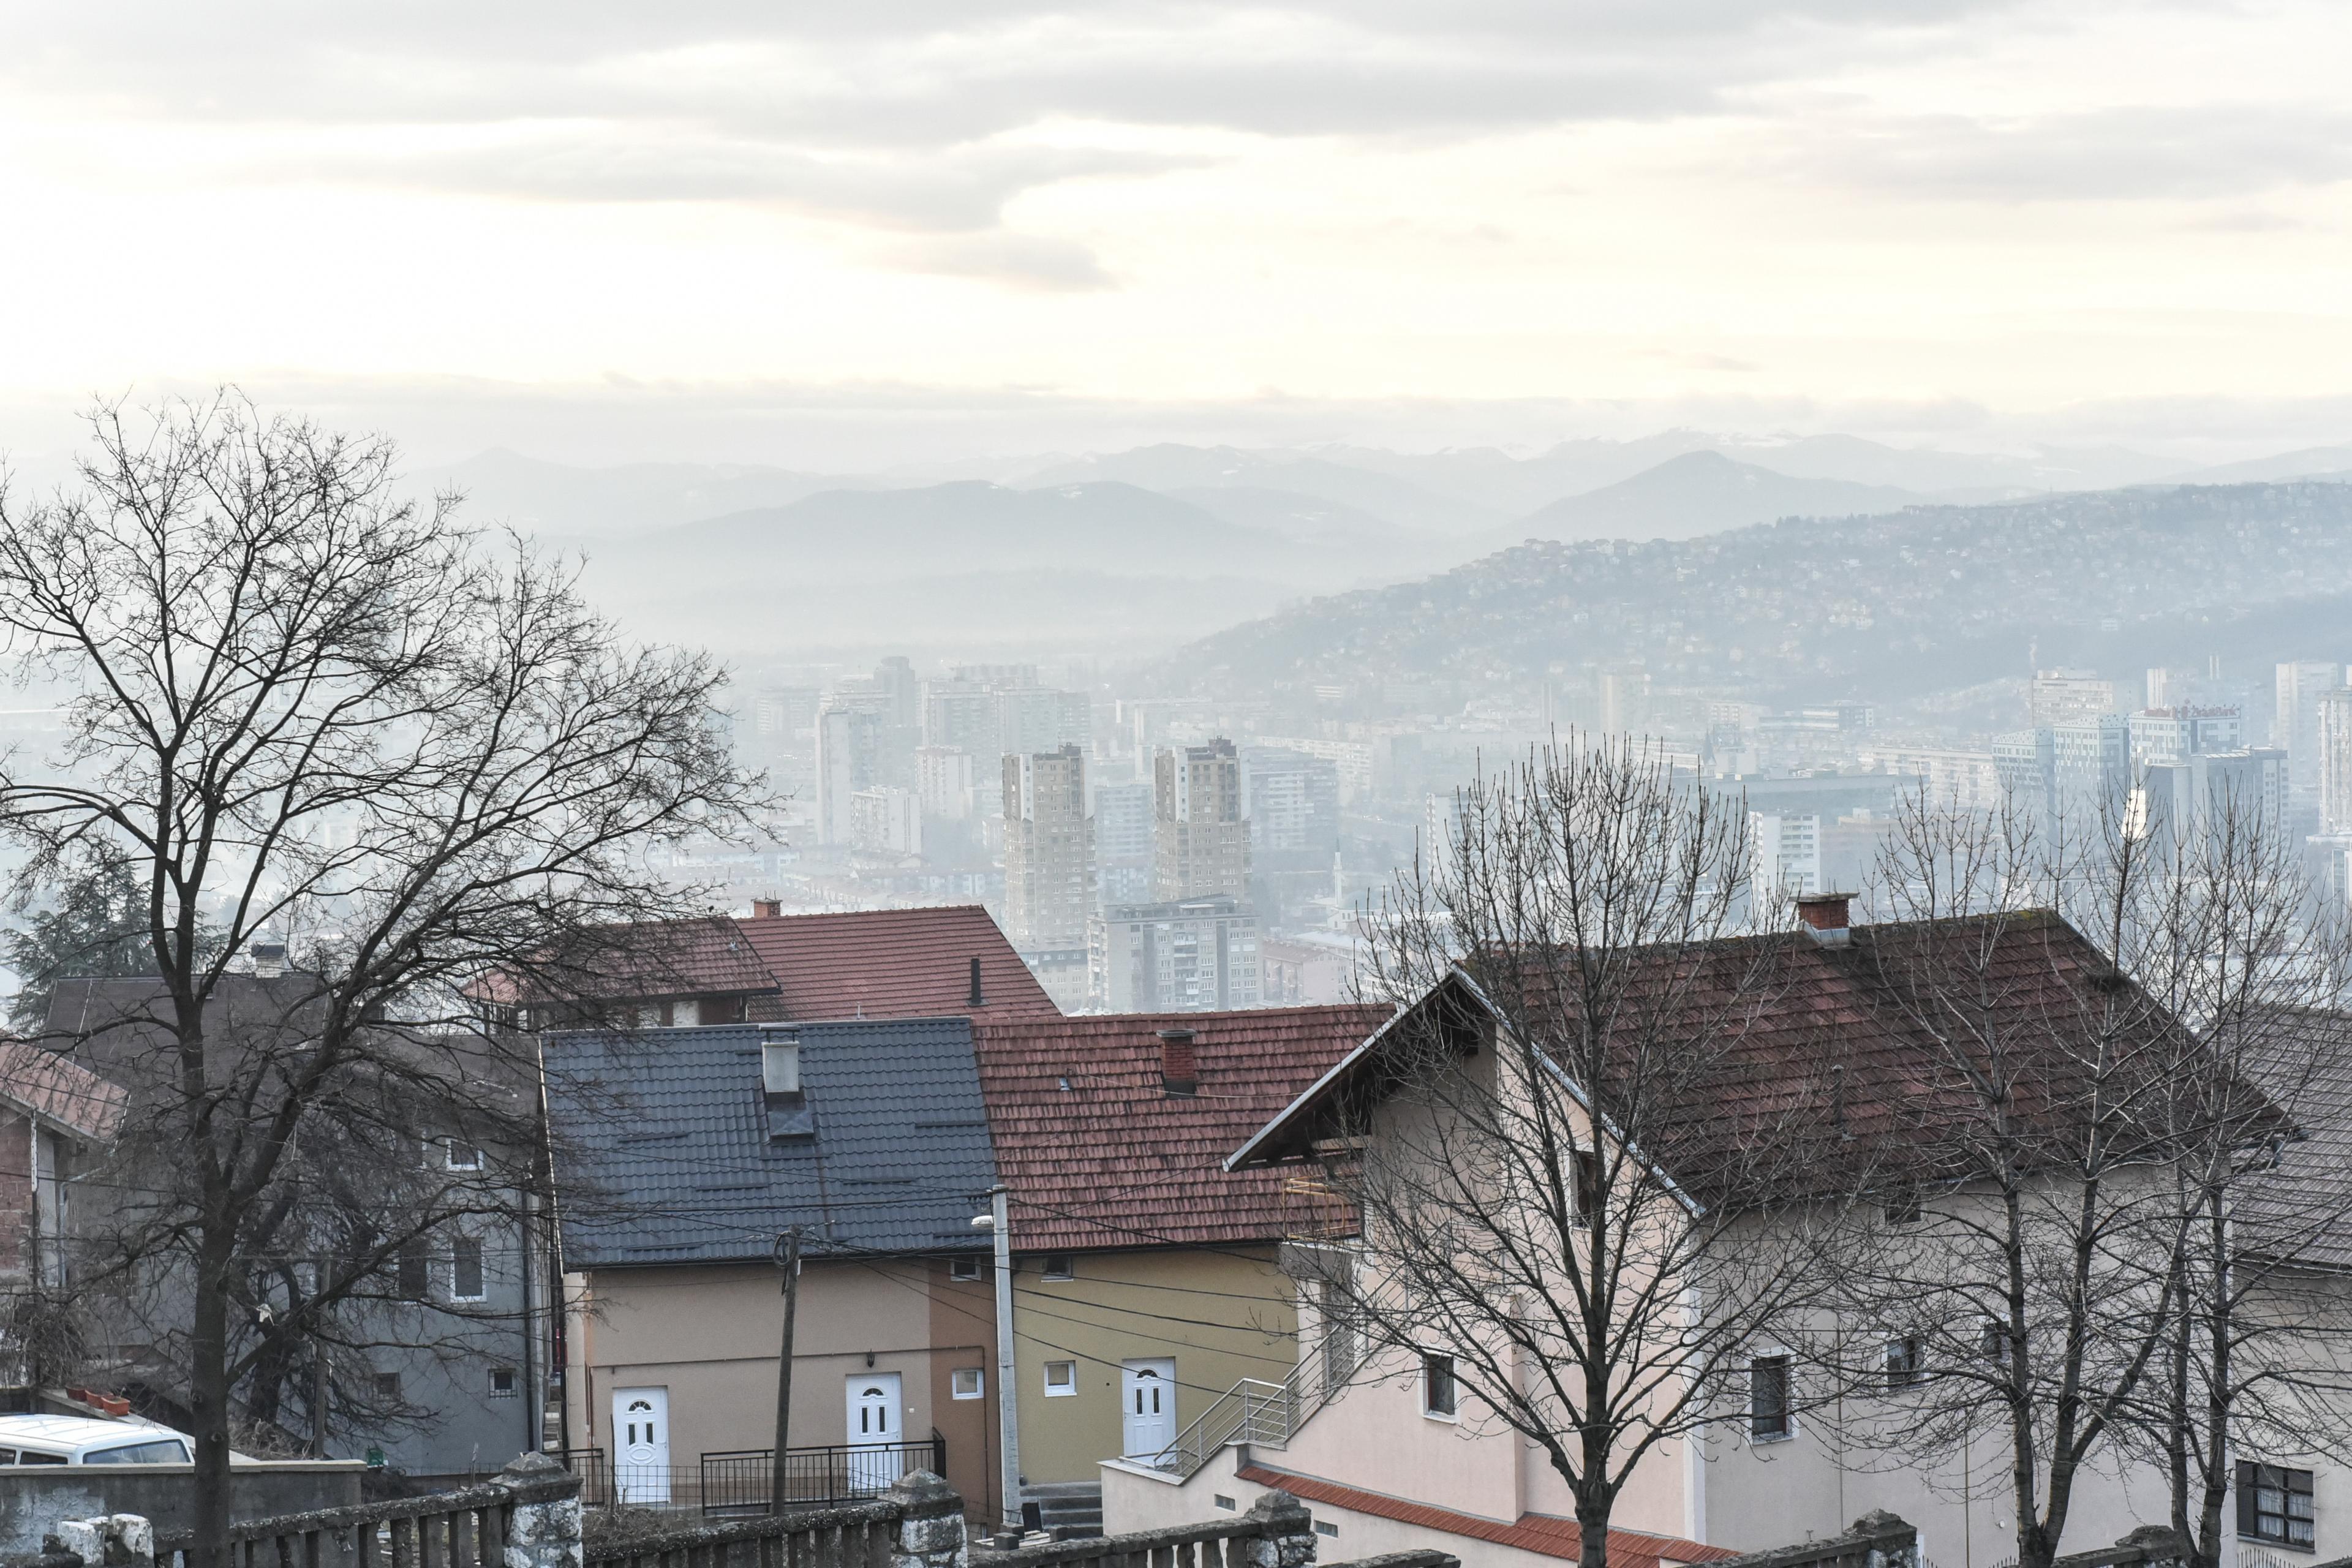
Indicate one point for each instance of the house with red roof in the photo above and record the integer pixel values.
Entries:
(1147, 1282)
(1393, 1448)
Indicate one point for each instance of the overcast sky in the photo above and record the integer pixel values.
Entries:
(765, 231)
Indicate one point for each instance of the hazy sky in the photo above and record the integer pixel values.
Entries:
(709, 229)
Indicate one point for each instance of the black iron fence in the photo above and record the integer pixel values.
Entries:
(739, 1482)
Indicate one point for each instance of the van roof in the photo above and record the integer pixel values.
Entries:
(74, 1431)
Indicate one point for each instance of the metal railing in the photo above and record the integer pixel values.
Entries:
(738, 1482)
(1264, 1414)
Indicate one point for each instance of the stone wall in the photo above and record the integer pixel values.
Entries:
(36, 1497)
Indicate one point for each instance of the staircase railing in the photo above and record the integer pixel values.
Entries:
(1256, 1411)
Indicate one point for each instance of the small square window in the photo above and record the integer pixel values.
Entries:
(964, 1267)
(1061, 1379)
(503, 1382)
(1907, 1361)
(1440, 1396)
(387, 1386)
(1904, 1211)
(461, 1156)
(966, 1383)
(1061, 1266)
(1768, 1399)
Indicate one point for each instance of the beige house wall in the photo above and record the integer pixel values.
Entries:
(1220, 1316)
(710, 1335)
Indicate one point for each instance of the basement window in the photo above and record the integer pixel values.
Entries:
(1324, 1527)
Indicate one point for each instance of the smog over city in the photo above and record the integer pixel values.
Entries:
(1271, 666)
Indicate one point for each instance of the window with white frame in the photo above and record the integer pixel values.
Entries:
(966, 1383)
(466, 1269)
(2274, 1504)
(965, 1268)
(1060, 1266)
(1440, 1393)
(503, 1382)
(1061, 1379)
(1769, 1418)
(460, 1155)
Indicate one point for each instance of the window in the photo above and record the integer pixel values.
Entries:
(1586, 1180)
(1906, 1361)
(1439, 1396)
(1903, 1211)
(1324, 1527)
(412, 1269)
(1061, 1266)
(461, 1156)
(2274, 1504)
(503, 1382)
(1768, 1399)
(1061, 1379)
(1341, 1352)
(387, 1386)
(1992, 1342)
(168, 1452)
(1223, 1501)
(966, 1383)
(466, 1269)
(34, 1456)
(964, 1267)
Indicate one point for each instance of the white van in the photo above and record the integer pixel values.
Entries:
(85, 1440)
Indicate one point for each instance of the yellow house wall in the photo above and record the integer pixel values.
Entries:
(710, 1336)
(1220, 1316)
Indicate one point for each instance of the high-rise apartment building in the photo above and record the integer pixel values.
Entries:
(1049, 851)
(943, 782)
(849, 758)
(1199, 836)
(1043, 718)
(2334, 732)
(1186, 955)
(2301, 687)
(886, 820)
(2174, 734)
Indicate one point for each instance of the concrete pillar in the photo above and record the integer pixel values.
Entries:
(1286, 1532)
(931, 1524)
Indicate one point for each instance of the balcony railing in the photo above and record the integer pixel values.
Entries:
(738, 1483)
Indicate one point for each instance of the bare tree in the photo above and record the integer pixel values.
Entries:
(1556, 1193)
(2227, 933)
(2067, 1120)
(311, 713)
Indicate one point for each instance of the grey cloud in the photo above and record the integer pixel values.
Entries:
(963, 190)
(2181, 153)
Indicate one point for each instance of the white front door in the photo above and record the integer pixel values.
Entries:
(877, 1427)
(641, 1445)
(1147, 1391)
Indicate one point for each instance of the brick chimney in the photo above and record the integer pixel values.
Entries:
(1179, 1069)
(1825, 917)
(766, 909)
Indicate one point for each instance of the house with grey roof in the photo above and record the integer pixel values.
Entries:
(683, 1156)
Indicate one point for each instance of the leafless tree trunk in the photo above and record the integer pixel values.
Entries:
(310, 713)
(1538, 1201)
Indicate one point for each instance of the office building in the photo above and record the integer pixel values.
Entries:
(1182, 955)
(2174, 734)
(2070, 696)
(2333, 779)
(1123, 842)
(1199, 836)
(2196, 795)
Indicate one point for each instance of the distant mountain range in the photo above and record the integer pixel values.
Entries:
(1930, 598)
(1696, 493)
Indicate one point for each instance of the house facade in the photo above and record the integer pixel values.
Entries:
(685, 1156)
(1395, 1454)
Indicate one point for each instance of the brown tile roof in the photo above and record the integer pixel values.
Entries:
(1543, 1533)
(1819, 1052)
(1114, 1159)
(705, 957)
(894, 964)
(52, 1088)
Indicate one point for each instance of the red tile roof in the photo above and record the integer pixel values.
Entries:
(1114, 1159)
(1542, 1533)
(705, 957)
(50, 1086)
(895, 963)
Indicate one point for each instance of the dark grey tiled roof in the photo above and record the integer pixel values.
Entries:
(663, 1154)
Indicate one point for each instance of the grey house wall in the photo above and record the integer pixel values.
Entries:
(32, 1499)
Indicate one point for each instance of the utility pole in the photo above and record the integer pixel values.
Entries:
(1008, 1375)
(788, 1254)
